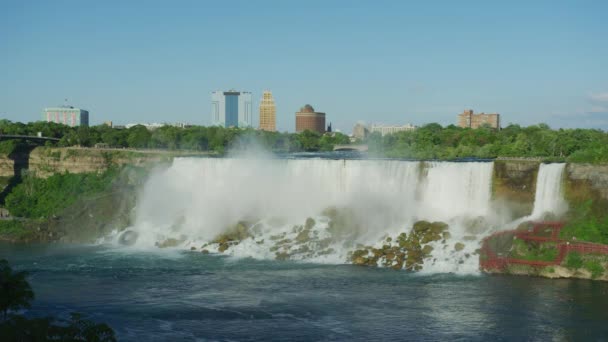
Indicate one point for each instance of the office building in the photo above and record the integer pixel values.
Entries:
(268, 112)
(67, 115)
(231, 109)
(469, 120)
(390, 129)
(307, 118)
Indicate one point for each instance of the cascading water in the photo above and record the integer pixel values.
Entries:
(346, 203)
(549, 198)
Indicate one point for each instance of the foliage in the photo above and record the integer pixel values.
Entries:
(19, 328)
(433, 141)
(574, 260)
(585, 224)
(41, 198)
(13, 229)
(198, 138)
(594, 267)
(7, 147)
(533, 251)
(16, 293)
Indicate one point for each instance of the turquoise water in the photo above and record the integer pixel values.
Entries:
(190, 296)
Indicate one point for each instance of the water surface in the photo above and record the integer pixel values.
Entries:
(178, 295)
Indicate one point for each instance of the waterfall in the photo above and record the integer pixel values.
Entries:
(548, 198)
(196, 199)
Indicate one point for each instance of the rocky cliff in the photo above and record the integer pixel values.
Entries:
(46, 161)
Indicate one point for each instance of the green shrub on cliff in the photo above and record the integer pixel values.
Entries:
(13, 230)
(41, 198)
(586, 223)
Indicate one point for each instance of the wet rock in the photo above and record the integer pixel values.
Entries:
(223, 247)
(204, 251)
(170, 242)
(309, 223)
(438, 227)
(421, 226)
(277, 237)
(282, 256)
(458, 246)
(303, 236)
(476, 225)
(192, 248)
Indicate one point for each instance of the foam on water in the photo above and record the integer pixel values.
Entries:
(196, 199)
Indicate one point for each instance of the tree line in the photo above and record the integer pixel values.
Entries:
(196, 138)
(431, 141)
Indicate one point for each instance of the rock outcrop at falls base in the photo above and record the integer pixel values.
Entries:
(407, 251)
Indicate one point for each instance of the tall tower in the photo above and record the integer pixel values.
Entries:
(231, 108)
(268, 112)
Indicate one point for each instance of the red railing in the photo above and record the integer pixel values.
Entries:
(491, 261)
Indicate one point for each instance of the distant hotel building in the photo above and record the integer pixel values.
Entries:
(384, 130)
(231, 109)
(307, 118)
(268, 113)
(360, 131)
(67, 115)
(469, 120)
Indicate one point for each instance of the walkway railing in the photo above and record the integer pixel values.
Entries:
(491, 261)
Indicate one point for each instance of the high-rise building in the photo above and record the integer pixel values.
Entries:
(307, 118)
(467, 119)
(67, 115)
(268, 112)
(231, 108)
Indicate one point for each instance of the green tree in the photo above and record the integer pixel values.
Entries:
(139, 137)
(15, 291)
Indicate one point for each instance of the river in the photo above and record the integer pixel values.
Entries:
(182, 295)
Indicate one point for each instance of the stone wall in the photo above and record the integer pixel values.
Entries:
(46, 161)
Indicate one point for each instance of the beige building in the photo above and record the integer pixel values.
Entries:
(360, 131)
(469, 120)
(385, 129)
(268, 112)
(307, 118)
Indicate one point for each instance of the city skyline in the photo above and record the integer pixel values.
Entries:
(395, 63)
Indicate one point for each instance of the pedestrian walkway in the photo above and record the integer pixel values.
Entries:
(493, 259)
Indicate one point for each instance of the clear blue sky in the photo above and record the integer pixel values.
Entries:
(377, 61)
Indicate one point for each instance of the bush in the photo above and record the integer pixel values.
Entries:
(594, 267)
(41, 198)
(574, 260)
(13, 229)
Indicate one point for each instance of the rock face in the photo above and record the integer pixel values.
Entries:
(595, 176)
(233, 236)
(46, 161)
(514, 184)
(403, 252)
